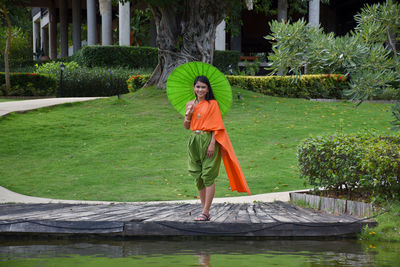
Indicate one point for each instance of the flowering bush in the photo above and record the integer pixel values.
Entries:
(135, 82)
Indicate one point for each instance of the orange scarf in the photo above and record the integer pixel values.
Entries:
(207, 117)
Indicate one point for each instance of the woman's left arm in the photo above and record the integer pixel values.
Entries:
(211, 146)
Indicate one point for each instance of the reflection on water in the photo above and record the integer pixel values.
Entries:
(199, 253)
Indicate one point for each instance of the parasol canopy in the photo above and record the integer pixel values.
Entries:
(180, 85)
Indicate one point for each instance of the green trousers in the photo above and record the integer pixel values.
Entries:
(202, 168)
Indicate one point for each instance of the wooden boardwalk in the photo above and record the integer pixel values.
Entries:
(277, 219)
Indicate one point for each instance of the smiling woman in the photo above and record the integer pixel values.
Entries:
(207, 143)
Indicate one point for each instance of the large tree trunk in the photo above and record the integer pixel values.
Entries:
(185, 33)
(6, 52)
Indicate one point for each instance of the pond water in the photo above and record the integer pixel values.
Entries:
(199, 253)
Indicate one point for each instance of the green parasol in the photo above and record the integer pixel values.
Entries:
(180, 85)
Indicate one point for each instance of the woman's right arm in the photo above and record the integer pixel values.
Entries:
(188, 114)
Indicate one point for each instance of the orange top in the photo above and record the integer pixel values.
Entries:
(207, 117)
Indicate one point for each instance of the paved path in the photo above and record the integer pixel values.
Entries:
(7, 196)
(25, 105)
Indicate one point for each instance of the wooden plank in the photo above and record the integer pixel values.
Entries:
(252, 213)
(233, 214)
(359, 209)
(170, 214)
(263, 213)
(224, 213)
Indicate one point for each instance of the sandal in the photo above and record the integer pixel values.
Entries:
(203, 218)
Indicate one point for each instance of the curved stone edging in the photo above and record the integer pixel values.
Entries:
(334, 205)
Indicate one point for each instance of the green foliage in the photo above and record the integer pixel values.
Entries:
(291, 46)
(19, 65)
(250, 69)
(83, 81)
(140, 57)
(53, 68)
(20, 44)
(29, 84)
(226, 61)
(140, 26)
(396, 115)
(376, 23)
(308, 86)
(136, 81)
(362, 162)
(388, 220)
(362, 55)
(20, 16)
(95, 82)
(118, 56)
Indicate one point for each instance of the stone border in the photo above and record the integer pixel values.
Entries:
(334, 205)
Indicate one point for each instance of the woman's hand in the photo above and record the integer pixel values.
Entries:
(211, 146)
(211, 150)
(188, 114)
(189, 110)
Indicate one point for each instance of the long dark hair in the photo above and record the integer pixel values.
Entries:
(204, 79)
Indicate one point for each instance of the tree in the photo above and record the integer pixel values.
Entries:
(186, 30)
(4, 11)
(368, 55)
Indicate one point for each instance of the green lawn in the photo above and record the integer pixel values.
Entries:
(135, 149)
(9, 99)
(388, 228)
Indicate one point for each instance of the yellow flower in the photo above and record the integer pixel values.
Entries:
(372, 233)
(371, 246)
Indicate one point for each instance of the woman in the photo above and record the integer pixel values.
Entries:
(207, 144)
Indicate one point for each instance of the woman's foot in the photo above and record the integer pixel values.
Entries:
(203, 218)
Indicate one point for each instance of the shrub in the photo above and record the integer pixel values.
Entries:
(364, 162)
(53, 68)
(78, 81)
(118, 56)
(308, 86)
(136, 81)
(29, 84)
(141, 57)
(95, 82)
(226, 61)
(15, 64)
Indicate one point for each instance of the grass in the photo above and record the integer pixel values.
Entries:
(388, 228)
(135, 149)
(9, 99)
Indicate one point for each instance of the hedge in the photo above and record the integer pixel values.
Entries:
(364, 161)
(95, 82)
(29, 84)
(17, 63)
(117, 56)
(308, 86)
(141, 57)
